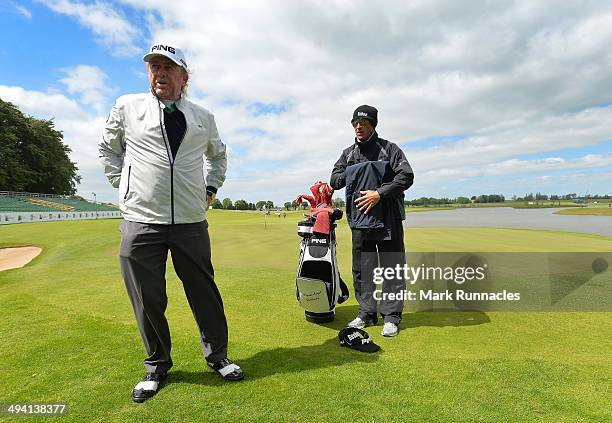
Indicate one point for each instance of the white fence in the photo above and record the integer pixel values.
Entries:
(7, 218)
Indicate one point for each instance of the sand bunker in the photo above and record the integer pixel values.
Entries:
(13, 258)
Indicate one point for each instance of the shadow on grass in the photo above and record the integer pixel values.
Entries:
(443, 318)
(437, 318)
(282, 360)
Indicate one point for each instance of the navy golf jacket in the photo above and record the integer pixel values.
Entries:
(376, 164)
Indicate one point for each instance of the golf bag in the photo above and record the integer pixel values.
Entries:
(319, 286)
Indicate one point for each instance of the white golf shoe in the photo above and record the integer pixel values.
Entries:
(389, 329)
(359, 323)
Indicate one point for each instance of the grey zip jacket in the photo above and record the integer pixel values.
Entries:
(153, 186)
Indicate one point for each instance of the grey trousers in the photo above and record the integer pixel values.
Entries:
(368, 254)
(143, 255)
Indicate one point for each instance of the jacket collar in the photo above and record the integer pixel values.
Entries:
(178, 103)
(371, 140)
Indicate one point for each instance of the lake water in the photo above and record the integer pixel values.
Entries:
(507, 217)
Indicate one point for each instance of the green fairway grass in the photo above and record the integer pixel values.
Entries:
(69, 335)
(588, 211)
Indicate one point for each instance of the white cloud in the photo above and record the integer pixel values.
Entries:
(23, 11)
(516, 79)
(515, 167)
(110, 27)
(11, 8)
(89, 84)
(42, 105)
(523, 137)
(513, 80)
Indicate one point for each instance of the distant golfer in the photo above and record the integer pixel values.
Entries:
(153, 150)
(375, 173)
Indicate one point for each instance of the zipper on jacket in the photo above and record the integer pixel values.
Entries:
(169, 152)
(172, 190)
(170, 159)
(172, 168)
(127, 190)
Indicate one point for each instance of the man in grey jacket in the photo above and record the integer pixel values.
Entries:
(153, 150)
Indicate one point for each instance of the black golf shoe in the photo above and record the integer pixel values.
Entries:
(148, 386)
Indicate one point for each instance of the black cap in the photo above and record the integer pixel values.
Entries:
(366, 112)
(357, 339)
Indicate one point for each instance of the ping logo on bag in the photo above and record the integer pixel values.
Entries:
(319, 241)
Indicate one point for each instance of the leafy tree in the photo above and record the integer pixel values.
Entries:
(241, 205)
(492, 198)
(227, 204)
(269, 205)
(462, 200)
(33, 156)
(217, 204)
(288, 205)
(338, 202)
(260, 205)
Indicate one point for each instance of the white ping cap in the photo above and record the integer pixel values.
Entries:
(173, 53)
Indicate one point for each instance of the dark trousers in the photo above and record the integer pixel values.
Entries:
(143, 255)
(368, 253)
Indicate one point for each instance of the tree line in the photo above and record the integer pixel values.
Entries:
(498, 198)
(538, 196)
(227, 204)
(431, 201)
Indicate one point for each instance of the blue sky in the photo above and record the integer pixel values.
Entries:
(47, 42)
(483, 98)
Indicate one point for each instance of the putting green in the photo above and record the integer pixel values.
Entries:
(69, 336)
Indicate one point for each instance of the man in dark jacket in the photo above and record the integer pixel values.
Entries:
(375, 173)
